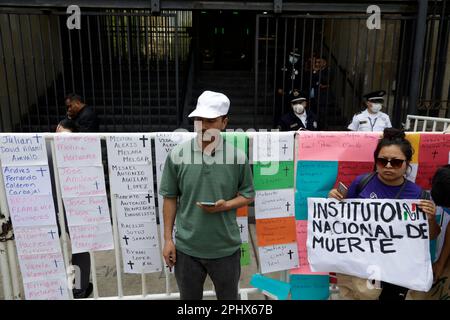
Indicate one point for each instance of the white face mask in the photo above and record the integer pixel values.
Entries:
(298, 108)
(376, 107)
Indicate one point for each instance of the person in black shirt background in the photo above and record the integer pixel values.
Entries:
(82, 114)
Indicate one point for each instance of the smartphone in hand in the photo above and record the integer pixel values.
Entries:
(208, 204)
(342, 188)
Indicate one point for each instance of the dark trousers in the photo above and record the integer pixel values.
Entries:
(190, 273)
(392, 292)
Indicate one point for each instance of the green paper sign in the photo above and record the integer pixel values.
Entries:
(238, 139)
(273, 175)
(245, 254)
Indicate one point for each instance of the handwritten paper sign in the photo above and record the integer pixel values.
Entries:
(274, 203)
(434, 148)
(165, 142)
(316, 175)
(242, 223)
(143, 260)
(47, 289)
(351, 236)
(77, 151)
(129, 149)
(23, 150)
(274, 175)
(278, 257)
(275, 231)
(273, 146)
(37, 240)
(349, 170)
(138, 235)
(92, 237)
(310, 287)
(333, 146)
(302, 234)
(41, 266)
(135, 207)
(34, 210)
(87, 210)
(82, 181)
(27, 181)
(131, 178)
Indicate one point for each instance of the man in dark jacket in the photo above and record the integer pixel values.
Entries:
(82, 114)
(299, 117)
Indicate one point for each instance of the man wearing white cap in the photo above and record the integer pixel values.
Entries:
(204, 197)
(371, 119)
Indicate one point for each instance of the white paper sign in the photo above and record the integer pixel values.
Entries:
(242, 223)
(165, 142)
(47, 289)
(87, 210)
(145, 260)
(95, 237)
(135, 207)
(274, 203)
(32, 210)
(129, 150)
(131, 178)
(23, 150)
(378, 239)
(37, 240)
(138, 235)
(273, 146)
(41, 266)
(27, 181)
(82, 181)
(77, 150)
(278, 257)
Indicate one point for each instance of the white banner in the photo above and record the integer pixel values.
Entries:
(370, 238)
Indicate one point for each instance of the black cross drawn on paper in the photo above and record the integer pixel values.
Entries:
(148, 196)
(143, 139)
(52, 233)
(287, 205)
(41, 171)
(37, 138)
(290, 253)
(131, 264)
(285, 148)
(126, 241)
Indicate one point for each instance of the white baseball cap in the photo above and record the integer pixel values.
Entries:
(211, 105)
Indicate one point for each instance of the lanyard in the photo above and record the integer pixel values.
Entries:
(372, 124)
(401, 189)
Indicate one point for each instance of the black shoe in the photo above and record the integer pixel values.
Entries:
(82, 294)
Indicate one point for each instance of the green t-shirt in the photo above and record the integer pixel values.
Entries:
(194, 176)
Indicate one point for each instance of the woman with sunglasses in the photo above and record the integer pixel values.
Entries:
(388, 181)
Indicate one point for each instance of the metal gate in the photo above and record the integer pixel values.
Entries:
(128, 64)
(335, 59)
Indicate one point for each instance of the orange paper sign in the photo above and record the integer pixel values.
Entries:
(275, 231)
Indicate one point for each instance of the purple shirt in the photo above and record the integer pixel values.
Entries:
(376, 189)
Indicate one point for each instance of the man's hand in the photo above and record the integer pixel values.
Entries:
(438, 269)
(170, 253)
(220, 206)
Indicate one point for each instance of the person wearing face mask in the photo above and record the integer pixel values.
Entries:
(299, 117)
(371, 119)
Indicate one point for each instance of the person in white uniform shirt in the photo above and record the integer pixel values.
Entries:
(371, 119)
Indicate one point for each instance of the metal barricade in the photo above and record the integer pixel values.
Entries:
(437, 124)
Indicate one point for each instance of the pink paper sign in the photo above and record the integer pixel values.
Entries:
(302, 235)
(337, 146)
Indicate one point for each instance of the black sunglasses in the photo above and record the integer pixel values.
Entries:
(395, 163)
